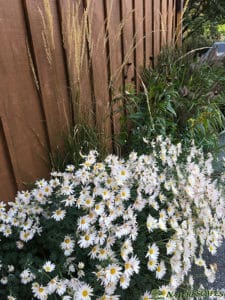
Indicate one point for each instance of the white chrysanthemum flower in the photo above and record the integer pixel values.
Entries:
(85, 292)
(27, 276)
(26, 236)
(61, 287)
(59, 214)
(146, 296)
(113, 273)
(11, 298)
(125, 193)
(200, 262)
(212, 249)
(153, 251)
(124, 281)
(160, 270)
(170, 247)
(48, 267)
(69, 201)
(152, 264)
(164, 291)
(52, 285)
(83, 223)
(152, 223)
(86, 240)
(39, 291)
(67, 245)
(99, 208)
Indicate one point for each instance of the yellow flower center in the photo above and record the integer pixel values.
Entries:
(158, 269)
(67, 241)
(151, 251)
(88, 201)
(151, 262)
(85, 293)
(87, 238)
(127, 266)
(112, 271)
(41, 290)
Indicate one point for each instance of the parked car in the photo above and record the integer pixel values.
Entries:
(215, 53)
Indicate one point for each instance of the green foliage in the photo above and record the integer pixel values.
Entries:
(202, 17)
(181, 98)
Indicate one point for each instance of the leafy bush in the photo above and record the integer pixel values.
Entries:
(114, 229)
(181, 98)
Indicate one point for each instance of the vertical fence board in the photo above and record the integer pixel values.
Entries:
(156, 28)
(148, 32)
(8, 184)
(139, 39)
(128, 41)
(19, 103)
(170, 22)
(74, 24)
(100, 69)
(114, 28)
(48, 59)
(164, 16)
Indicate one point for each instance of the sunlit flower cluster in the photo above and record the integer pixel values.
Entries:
(108, 220)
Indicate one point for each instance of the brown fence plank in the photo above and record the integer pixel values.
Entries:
(148, 32)
(74, 22)
(170, 22)
(100, 69)
(139, 38)
(48, 59)
(7, 179)
(156, 28)
(19, 102)
(164, 15)
(114, 28)
(128, 41)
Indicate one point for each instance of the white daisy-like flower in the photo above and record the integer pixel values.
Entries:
(152, 223)
(86, 240)
(113, 273)
(19, 244)
(124, 281)
(59, 214)
(48, 267)
(27, 276)
(26, 235)
(11, 298)
(125, 193)
(85, 292)
(200, 262)
(39, 291)
(153, 251)
(67, 245)
(146, 296)
(52, 285)
(83, 223)
(160, 270)
(61, 287)
(170, 247)
(152, 264)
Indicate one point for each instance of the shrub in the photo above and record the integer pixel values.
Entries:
(181, 98)
(114, 229)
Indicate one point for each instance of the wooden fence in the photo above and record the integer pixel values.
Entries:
(66, 60)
